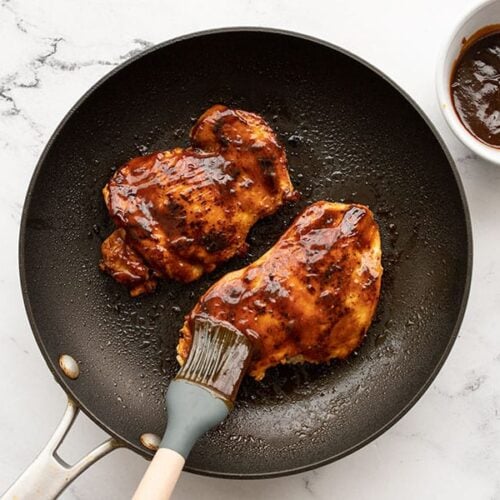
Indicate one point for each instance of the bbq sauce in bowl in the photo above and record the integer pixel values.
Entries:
(475, 85)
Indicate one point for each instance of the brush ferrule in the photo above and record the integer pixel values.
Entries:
(192, 410)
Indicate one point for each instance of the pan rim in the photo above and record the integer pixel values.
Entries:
(135, 446)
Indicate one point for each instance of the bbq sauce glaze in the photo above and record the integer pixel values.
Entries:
(475, 85)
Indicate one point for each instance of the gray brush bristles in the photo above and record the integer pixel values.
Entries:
(218, 359)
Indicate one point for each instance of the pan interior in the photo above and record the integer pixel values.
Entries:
(350, 136)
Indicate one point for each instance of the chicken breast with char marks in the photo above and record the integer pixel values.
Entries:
(310, 298)
(247, 140)
(182, 212)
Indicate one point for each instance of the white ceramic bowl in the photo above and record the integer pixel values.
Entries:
(486, 14)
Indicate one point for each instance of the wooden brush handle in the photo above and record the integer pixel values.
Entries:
(161, 476)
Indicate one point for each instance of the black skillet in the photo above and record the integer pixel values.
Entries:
(351, 135)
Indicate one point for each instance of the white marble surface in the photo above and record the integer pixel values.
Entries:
(447, 447)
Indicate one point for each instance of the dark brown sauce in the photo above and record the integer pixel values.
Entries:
(475, 85)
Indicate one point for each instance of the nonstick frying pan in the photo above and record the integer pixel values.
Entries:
(350, 135)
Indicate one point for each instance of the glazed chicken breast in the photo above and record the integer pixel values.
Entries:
(310, 298)
(181, 212)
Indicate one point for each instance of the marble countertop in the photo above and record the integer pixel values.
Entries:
(447, 447)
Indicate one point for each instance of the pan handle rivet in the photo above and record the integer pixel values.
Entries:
(69, 366)
(150, 441)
